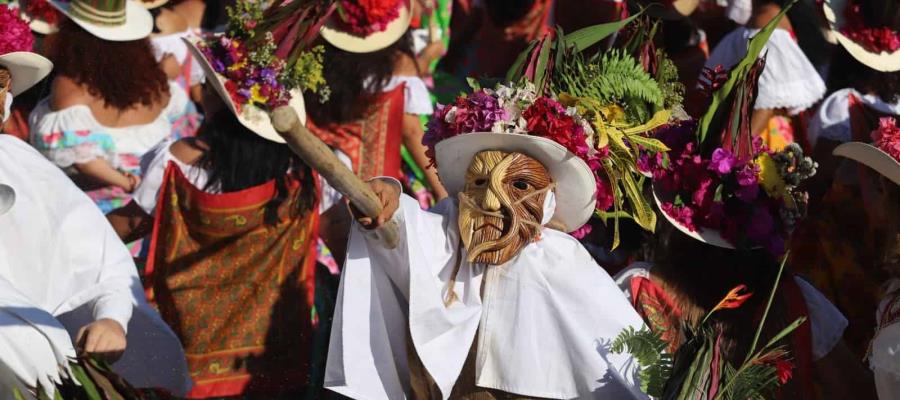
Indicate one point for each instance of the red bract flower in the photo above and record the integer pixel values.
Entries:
(547, 118)
(364, 17)
(887, 137)
(733, 299)
(15, 34)
(784, 370)
(43, 11)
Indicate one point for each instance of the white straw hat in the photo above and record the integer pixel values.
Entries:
(333, 33)
(880, 61)
(872, 157)
(113, 20)
(26, 68)
(576, 188)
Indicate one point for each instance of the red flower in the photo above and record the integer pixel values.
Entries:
(887, 137)
(784, 369)
(364, 17)
(43, 11)
(16, 35)
(733, 299)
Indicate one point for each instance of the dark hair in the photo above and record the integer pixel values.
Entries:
(504, 13)
(238, 159)
(347, 75)
(123, 74)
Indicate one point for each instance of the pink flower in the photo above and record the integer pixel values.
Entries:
(683, 214)
(580, 233)
(365, 17)
(887, 137)
(15, 34)
(722, 161)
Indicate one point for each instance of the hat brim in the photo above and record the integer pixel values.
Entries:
(152, 4)
(882, 61)
(576, 195)
(253, 118)
(37, 25)
(26, 68)
(708, 236)
(871, 157)
(346, 41)
(138, 23)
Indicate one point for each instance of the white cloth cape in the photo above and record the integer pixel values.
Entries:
(68, 268)
(544, 325)
(788, 81)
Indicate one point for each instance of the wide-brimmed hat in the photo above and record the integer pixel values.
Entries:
(870, 53)
(252, 117)
(151, 4)
(576, 187)
(343, 29)
(26, 68)
(872, 157)
(113, 20)
(45, 22)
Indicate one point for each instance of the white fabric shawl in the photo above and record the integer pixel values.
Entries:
(63, 258)
(545, 323)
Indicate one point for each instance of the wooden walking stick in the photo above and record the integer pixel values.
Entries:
(319, 157)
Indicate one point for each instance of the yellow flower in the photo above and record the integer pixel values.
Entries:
(769, 177)
(237, 66)
(255, 96)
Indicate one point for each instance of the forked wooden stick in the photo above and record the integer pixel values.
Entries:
(319, 157)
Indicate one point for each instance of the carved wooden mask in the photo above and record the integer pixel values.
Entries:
(501, 205)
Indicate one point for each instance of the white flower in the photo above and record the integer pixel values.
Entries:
(451, 115)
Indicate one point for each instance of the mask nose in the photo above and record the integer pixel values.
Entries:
(490, 202)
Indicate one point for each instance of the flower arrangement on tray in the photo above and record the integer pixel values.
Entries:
(717, 183)
(624, 92)
(264, 53)
(364, 17)
(698, 369)
(887, 137)
(874, 39)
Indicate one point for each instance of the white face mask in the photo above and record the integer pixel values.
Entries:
(7, 106)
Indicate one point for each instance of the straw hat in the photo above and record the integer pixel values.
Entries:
(335, 31)
(872, 157)
(884, 60)
(26, 68)
(252, 117)
(113, 20)
(151, 4)
(36, 24)
(576, 194)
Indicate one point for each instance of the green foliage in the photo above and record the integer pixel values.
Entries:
(241, 16)
(667, 76)
(648, 349)
(307, 73)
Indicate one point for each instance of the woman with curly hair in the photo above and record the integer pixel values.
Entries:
(109, 102)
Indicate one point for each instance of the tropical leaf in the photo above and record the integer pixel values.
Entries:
(516, 71)
(648, 348)
(719, 105)
(587, 37)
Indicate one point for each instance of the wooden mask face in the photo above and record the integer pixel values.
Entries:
(501, 205)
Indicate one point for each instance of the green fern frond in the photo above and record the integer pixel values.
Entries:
(667, 76)
(648, 348)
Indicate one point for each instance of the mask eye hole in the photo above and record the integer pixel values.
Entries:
(480, 182)
(520, 184)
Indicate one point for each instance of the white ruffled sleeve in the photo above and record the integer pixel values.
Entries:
(788, 81)
(70, 136)
(832, 120)
(154, 166)
(416, 98)
(826, 321)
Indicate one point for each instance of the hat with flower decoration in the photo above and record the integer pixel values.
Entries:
(113, 20)
(878, 47)
(25, 68)
(42, 17)
(262, 61)
(883, 155)
(364, 26)
(718, 184)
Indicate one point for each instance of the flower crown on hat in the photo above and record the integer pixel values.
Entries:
(600, 108)
(874, 39)
(264, 54)
(16, 35)
(717, 183)
(365, 17)
(41, 10)
(887, 137)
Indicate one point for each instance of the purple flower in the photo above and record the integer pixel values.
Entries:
(748, 183)
(704, 194)
(479, 113)
(722, 161)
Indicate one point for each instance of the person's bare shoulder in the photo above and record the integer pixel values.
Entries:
(65, 93)
(188, 150)
(404, 65)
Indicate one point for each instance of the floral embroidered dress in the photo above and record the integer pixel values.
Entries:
(72, 135)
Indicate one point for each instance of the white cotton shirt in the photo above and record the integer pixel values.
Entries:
(788, 81)
(154, 164)
(832, 120)
(544, 323)
(174, 45)
(884, 358)
(416, 97)
(827, 323)
(62, 266)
